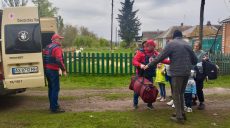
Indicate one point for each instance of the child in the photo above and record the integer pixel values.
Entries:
(190, 92)
(160, 79)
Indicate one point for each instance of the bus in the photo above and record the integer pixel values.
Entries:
(21, 63)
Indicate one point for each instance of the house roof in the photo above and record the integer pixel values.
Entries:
(169, 33)
(208, 30)
(150, 34)
(225, 20)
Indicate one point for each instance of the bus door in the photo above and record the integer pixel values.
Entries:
(22, 48)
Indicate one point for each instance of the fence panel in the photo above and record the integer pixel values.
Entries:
(110, 63)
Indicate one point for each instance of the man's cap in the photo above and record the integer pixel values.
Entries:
(151, 43)
(56, 36)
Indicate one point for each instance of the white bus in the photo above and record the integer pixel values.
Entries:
(21, 63)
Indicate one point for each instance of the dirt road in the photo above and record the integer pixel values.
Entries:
(100, 100)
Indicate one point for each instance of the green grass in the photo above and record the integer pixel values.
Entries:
(222, 81)
(102, 82)
(94, 82)
(129, 119)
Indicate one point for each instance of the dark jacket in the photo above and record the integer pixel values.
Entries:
(181, 56)
(53, 58)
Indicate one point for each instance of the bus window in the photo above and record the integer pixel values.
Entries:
(46, 38)
(22, 38)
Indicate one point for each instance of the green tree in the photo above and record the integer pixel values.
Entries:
(85, 32)
(69, 32)
(128, 22)
(60, 24)
(46, 8)
(15, 3)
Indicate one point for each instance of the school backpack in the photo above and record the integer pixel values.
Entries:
(210, 70)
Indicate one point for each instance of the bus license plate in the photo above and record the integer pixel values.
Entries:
(24, 70)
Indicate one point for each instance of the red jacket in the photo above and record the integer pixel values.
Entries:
(58, 55)
(139, 58)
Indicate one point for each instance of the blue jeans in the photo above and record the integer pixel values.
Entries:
(54, 87)
(188, 99)
(136, 96)
(162, 90)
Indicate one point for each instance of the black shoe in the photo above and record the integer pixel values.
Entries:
(59, 110)
(201, 106)
(177, 120)
(150, 106)
(184, 116)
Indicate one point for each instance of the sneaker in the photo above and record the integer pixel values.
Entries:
(149, 106)
(189, 109)
(162, 100)
(170, 103)
(201, 106)
(185, 108)
(59, 110)
(158, 98)
(135, 106)
(173, 106)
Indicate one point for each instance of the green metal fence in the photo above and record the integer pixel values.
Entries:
(223, 62)
(119, 63)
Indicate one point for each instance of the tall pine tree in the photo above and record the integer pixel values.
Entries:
(128, 22)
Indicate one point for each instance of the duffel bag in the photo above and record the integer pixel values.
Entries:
(145, 89)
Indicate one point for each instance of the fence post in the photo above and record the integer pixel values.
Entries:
(89, 63)
(117, 63)
(75, 62)
(112, 63)
(65, 60)
(84, 63)
(121, 63)
(93, 63)
(79, 62)
(103, 63)
(70, 63)
(98, 63)
(126, 63)
(107, 63)
(130, 64)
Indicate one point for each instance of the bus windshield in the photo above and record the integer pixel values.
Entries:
(22, 38)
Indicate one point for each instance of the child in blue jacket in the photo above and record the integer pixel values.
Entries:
(190, 92)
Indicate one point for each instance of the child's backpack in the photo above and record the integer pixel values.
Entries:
(210, 70)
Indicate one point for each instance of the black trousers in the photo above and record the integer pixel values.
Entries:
(188, 99)
(199, 89)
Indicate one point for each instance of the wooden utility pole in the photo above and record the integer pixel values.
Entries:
(111, 41)
(201, 21)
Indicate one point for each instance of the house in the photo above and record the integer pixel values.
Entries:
(226, 36)
(163, 38)
(146, 35)
(210, 32)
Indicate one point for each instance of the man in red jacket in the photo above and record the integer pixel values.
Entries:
(53, 61)
(143, 57)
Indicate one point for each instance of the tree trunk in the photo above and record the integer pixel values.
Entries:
(201, 21)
